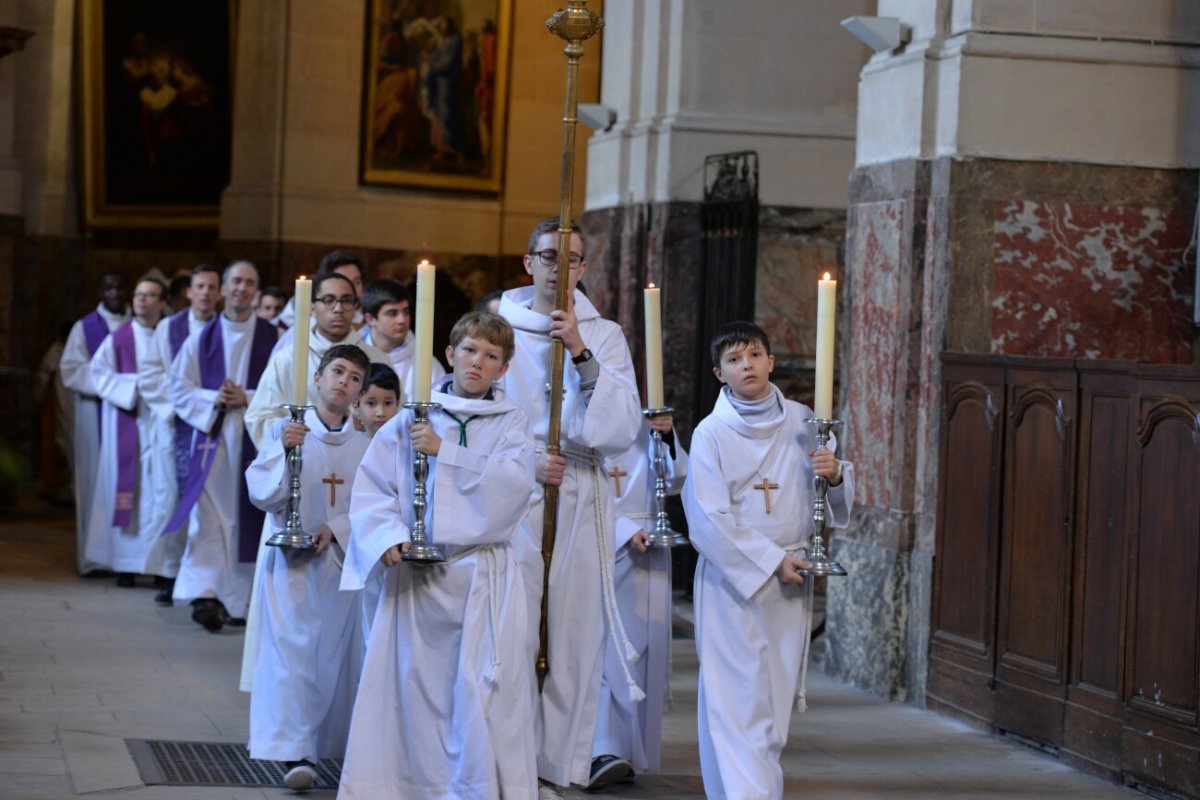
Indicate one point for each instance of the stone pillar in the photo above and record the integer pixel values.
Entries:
(1006, 199)
(690, 79)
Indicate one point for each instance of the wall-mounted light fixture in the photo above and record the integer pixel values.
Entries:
(881, 34)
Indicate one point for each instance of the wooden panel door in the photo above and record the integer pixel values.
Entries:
(1162, 677)
(962, 643)
(1092, 722)
(1033, 613)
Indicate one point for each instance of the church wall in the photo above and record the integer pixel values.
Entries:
(295, 179)
(1106, 83)
(979, 256)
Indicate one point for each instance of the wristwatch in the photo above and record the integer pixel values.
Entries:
(584, 356)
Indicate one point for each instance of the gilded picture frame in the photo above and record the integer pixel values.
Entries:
(435, 94)
(156, 85)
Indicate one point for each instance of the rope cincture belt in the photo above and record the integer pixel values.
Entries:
(802, 690)
(616, 628)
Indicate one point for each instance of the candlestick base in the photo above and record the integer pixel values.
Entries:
(822, 564)
(662, 535)
(293, 536)
(421, 550)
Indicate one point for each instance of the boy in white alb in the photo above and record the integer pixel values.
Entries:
(378, 403)
(444, 707)
(309, 646)
(601, 417)
(629, 735)
(388, 313)
(748, 499)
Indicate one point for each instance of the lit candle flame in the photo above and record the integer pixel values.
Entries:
(651, 286)
(826, 276)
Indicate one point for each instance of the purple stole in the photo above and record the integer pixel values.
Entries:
(177, 330)
(95, 331)
(211, 353)
(125, 350)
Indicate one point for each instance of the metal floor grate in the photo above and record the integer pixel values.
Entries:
(165, 763)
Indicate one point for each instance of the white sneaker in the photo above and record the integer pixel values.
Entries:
(547, 791)
(300, 777)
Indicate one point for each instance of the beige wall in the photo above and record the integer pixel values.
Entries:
(296, 139)
(1096, 81)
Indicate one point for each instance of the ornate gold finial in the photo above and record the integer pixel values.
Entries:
(575, 23)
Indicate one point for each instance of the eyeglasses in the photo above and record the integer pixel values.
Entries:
(329, 301)
(147, 295)
(550, 257)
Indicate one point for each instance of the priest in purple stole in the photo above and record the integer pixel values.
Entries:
(204, 290)
(135, 485)
(82, 343)
(213, 379)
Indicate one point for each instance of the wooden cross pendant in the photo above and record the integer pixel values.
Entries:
(334, 481)
(765, 487)
(616, 474)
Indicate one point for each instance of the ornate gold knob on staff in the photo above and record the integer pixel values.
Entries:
(575, 24)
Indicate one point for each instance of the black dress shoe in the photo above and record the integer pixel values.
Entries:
(126, 580)
(207, 613)
(163, 595)
(233, 622)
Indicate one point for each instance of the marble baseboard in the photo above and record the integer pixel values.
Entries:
(867, 619)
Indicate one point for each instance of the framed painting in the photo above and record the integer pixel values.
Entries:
(435, 93)
(157, 81)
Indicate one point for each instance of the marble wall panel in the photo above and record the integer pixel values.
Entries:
(878, 367)
(1088, 281)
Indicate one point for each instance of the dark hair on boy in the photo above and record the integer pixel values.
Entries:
(339, 258)
(379, 293)
(549, 225)
(384, 377)
(349, 352)
(739, 332)
(319, 280)
(494, 294)
(492, 328)
(277, 292)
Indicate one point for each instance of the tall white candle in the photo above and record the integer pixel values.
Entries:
(652, 301)
(423, 357)
(300, 376)
(826, 314)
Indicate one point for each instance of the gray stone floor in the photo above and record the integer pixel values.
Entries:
(84, 665)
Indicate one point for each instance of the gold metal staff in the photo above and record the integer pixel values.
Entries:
(575, 24)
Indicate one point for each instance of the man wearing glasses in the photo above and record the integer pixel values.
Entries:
(601, 416)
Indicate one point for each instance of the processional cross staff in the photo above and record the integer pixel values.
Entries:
(575, 24)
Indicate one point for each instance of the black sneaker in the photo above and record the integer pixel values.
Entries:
(126, 580)
(608, 769)
(233, 622)
(207, 612)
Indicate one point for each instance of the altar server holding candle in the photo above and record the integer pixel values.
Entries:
(748, 499)
(334, 301)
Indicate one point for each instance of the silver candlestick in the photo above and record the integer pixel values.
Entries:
(822, 564)
(663, 535)
(421, 550)
(293, 535)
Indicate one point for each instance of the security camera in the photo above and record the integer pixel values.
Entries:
(881, 34)
(597, 116)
